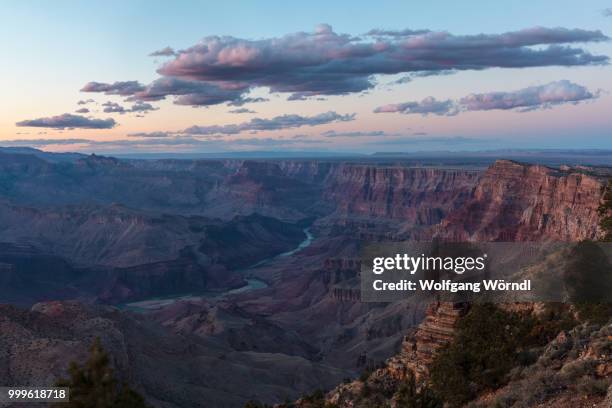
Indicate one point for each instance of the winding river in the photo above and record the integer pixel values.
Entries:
(252, 283)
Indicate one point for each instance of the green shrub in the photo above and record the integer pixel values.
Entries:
(595, 306)
(577, 369)
(407, 395)
(598, 313)
(554, 319)
(314, 400)
(93, 384)
(605, 212)
(592, 386)
(487, 345)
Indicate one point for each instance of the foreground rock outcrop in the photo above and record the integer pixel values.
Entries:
(171, 369)
(417, 352)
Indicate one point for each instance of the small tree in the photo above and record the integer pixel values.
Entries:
(93, 385)
(407, 395)
(487, 345)
(591, 290)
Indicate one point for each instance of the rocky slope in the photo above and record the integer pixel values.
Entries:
(418, 349)
(31, 181)
(172, 370)
(573, 370)
(118, 254)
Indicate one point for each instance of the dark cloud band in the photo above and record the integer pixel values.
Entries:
(69, 121)
(276, 123)
(122, 88)
(222, 69)
(257, 125)
(523, 100)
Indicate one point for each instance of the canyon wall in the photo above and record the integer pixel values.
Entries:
(420, 196)
(508, 201)
(517, 202)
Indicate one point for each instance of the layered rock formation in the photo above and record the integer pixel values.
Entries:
(517, 202)
(436, 331)
(270, 188)
(118, 254)
(417, 352)
(416, 196)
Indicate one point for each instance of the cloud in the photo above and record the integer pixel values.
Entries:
(142, 107)
(158, 134)
(44, 142)
(110, 144)
(436, 140)
(139, 107)
(255, 125)
(164, 52)
(123, 88)
(534, 97)
(224, 69)
(428, 106)
(327, 63)
(85, 101)
(607, 12)
(421, 74)
(187, 92)
(276, 142)
(68, 121)
(276, 123)
(82, 110)
(112, 107)
(160, 144)
(245, 100)
(333, 133)
(523, 100)
(395, 33)
(241, 110)
(402, 80)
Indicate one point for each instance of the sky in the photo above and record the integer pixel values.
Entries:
(158, 76)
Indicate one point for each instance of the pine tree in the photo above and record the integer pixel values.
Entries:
(408, 396)
(594, 304)
(93, 385)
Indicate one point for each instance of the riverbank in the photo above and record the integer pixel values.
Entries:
(252, 283)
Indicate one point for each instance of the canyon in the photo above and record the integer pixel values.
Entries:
(81, 236)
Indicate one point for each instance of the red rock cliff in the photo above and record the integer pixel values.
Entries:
(518, 202)
(422, 196)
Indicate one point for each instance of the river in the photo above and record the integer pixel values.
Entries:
(251, 283)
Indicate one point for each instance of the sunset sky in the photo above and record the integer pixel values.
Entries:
(143, 76)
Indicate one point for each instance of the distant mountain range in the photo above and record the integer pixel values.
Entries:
(600, 157)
